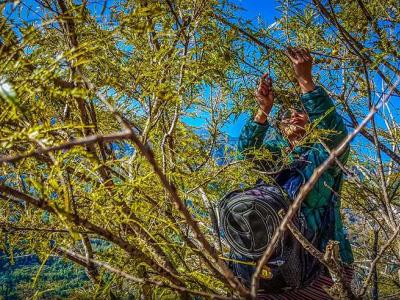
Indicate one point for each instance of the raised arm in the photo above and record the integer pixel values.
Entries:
(254, 131)
(317, 103)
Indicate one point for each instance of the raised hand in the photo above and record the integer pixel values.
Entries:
(302, 65)
(265, 98)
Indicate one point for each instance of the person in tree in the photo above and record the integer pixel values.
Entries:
(321, 207)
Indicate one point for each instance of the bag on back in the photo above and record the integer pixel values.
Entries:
(247, 220)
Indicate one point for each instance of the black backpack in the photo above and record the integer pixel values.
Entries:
(247, 221)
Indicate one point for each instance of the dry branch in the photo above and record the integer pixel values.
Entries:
(329, 260)
(82, 261)
(7, 227)
(376, 260)
(91, 139)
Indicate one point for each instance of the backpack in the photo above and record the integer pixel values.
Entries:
(247, 220)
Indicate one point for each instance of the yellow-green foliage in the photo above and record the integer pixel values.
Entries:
(158, 64)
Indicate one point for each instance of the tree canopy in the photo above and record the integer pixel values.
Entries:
(101, 163)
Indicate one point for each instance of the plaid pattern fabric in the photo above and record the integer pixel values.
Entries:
(315, 291)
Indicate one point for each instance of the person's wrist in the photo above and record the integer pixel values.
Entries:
(306, 84)
(261, 115)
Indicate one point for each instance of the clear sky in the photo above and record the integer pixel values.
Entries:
(266, 9)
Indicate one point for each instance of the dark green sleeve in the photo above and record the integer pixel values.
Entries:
(252, 137)
(321, 109)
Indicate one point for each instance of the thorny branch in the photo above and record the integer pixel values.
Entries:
(108, 235)
(91, 139)
(82, 261)
(172, 191)
(376, 260)
(364, 132)
(10, 227)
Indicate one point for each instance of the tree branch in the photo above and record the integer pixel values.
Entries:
(81, 260)
(329, 260)
(91, 139)
(108, 235)
(172, 191)
(376, 260)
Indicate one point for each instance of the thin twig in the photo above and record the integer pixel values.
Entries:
(91, 269)
(82, 261)
(90, 139)
(258, 42)
(356, 46)
(376, 260)
(378, 153)
(212, 176)
(10, 227)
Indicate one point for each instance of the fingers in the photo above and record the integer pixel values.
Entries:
(308, 56)
(265, 87)
(263, 91)
(305, 54)
(300, 58)
(292, 54)
(265, 84)
(269, 82)
(260, 92)
(264, 77)
(298, 55)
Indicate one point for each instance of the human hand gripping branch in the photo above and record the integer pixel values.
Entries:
(302, 65)
(265, 98)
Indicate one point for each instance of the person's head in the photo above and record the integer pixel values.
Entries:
(292, 123)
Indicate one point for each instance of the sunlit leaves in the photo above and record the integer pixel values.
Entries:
(8, 94)
(157, 68)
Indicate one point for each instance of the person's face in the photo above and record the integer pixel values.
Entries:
(293, 123)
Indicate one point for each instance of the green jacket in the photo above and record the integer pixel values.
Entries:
(320, 109)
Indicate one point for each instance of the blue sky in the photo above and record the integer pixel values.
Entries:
(266, 9)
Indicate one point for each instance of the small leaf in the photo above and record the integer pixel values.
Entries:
(7, 92)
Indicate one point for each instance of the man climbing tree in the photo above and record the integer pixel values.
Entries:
(321, 207)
